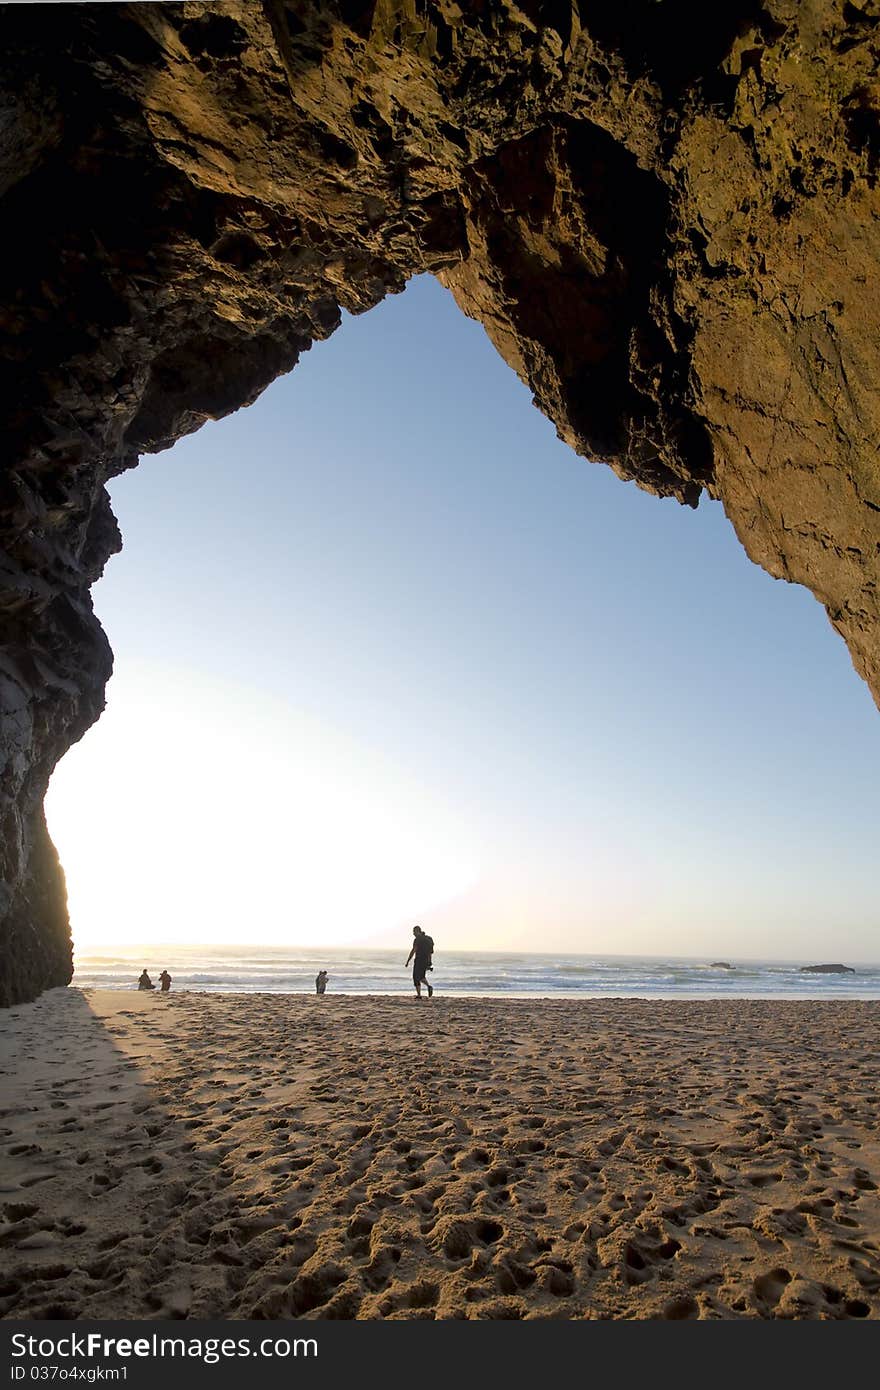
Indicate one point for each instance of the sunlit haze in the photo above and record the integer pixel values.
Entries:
(388, 652)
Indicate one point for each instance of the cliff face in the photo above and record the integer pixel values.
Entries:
(666, 215)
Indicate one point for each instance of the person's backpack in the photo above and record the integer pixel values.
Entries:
(429, 942)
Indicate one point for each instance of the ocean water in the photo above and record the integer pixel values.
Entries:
(274, 970)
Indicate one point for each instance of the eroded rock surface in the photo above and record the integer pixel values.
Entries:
(666, 216)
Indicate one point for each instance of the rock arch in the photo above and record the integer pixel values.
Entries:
(669, 225)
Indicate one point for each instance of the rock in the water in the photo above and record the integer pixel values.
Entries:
(722, 965)
(666, 216)
(835, 969)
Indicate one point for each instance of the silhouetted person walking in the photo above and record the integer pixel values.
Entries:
(144, 981)
(321, 982)
(422, 950)
(165, 981)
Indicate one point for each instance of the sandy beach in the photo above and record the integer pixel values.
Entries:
(284, 1156)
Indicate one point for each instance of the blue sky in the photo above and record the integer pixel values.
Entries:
(387, 651)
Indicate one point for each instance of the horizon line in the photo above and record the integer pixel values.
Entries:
(242, 946)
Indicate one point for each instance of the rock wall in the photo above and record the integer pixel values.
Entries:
(665, 214)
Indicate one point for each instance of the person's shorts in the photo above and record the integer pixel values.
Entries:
(419, 969)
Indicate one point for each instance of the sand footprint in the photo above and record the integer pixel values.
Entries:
(681, 1308)
(768, 1288)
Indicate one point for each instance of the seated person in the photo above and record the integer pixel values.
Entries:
(145, 982)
